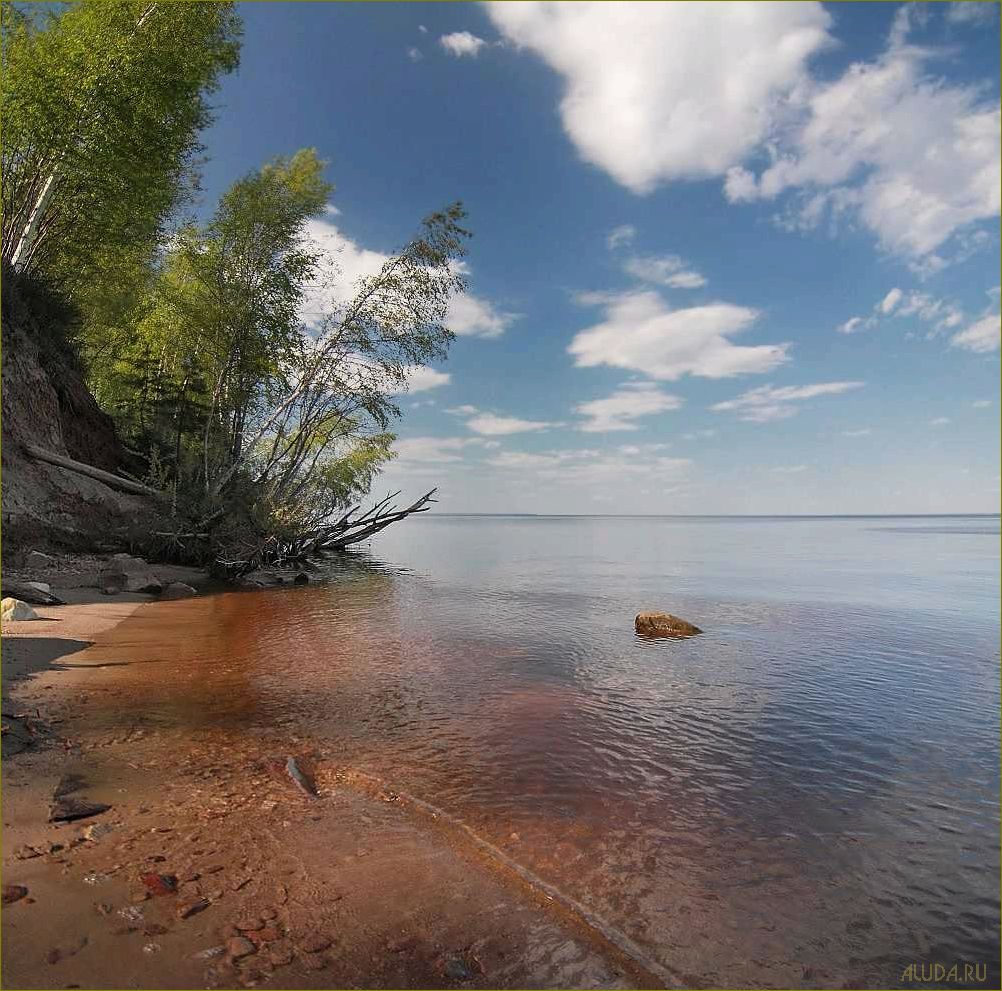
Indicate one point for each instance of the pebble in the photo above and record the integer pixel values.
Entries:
(210, 953)
(457, 969)
(315, 943)
(315, 961)
(280, 956)
(27, 852)
(159, 884)
(238, 947)
(13, 893)
(250, 925)
(269, 913)
(187, 909)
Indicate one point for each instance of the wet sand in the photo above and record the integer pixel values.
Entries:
(357, 887)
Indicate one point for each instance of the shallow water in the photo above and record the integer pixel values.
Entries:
(808, 793)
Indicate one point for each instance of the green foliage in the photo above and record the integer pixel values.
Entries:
(102, 105)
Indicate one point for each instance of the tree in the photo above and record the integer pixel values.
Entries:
(102, 106)
(292, 416)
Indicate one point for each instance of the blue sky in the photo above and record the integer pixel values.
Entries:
(728, 258)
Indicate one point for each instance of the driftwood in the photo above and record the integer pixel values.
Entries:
(351, 528)
(116, 481)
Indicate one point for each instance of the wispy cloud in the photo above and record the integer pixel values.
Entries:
(663, 270)
(768, 403)
(939, 421)
(621, 236)
(789, 469)
(630, 402)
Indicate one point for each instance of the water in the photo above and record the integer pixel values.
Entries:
(807, 794)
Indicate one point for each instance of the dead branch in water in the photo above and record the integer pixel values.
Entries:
(352, 527)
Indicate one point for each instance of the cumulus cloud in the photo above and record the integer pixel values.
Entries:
(462, 44)
(982, 336)
(628, 403)
(664, 270)
(619, 236)
(641, 333)
(467, 314)
(421, 378)
(471, 316)
(913, 158)
(768, 402)
(662, 91)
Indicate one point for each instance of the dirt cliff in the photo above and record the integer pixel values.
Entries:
(45, 401)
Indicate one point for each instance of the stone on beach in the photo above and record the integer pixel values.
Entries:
(126, 573)
(69, 809)
(12, 610)
(178, 590)
(662, 624)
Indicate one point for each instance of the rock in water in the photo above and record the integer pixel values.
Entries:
(15, 609)
(662, 624)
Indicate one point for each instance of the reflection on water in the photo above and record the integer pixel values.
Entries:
(806, 794)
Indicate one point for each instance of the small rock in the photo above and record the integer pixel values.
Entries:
(315, 961)
(457, 969)
(187, 909)
(250, 925)
(16, 610)
(97, 830)
(154, 929)
(151, 948)
(177, 590)
(27, 852)
(159, 884)
(69, 809)
(280, 956)
(266, 935)
(269, 913)
(315, 943)
(102, 908)
(301, 579)
(36, 559)
(238, 947)
(662, 624)
(13, 893)
(210, 953)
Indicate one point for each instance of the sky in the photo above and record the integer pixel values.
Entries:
(727, 257)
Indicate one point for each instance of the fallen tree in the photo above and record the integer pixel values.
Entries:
(352, 527)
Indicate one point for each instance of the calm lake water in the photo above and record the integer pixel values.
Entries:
(805, 795)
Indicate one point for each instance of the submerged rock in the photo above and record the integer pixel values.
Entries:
(16, 610)
(663, 624)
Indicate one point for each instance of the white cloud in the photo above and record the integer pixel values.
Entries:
(414, 54)
(789, 469)
(665, 270)
(465, 410)
(662, 91)
(471, 316)
(887, 304)
(467, 314)
(863, 432)
(982, 336)
(628, 403)
(851, 326)
(982, 403)
(913, 158)
(438, 449)
(492, 425)
(462, 44)
(973, 13)
(619, 236)
(939, 421)
(641, 333)
(586, 466)
(767, 402)
(421, 378)
(940, 312)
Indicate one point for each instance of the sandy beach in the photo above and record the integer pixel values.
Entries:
(213, 868)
